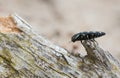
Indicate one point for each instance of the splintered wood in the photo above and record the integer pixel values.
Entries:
(7, 25)
(29, 55)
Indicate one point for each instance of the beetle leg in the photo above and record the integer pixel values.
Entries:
(82, 41)
(96, 42)
(91, 41)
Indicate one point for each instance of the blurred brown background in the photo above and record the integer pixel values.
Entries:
(58, 20)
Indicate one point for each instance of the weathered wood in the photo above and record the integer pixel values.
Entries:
(26, 54)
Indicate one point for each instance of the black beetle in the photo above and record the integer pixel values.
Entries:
(86, 36)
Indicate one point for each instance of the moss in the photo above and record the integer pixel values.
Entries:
(1, 60)
(5, 60)
(4, 53)
(79, 64)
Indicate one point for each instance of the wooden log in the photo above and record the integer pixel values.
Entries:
(25, 54)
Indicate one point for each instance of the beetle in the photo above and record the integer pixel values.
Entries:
(86, 36)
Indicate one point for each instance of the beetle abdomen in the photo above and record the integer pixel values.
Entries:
(86, 36)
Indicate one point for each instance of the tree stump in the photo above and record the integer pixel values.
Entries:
(25, 54)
